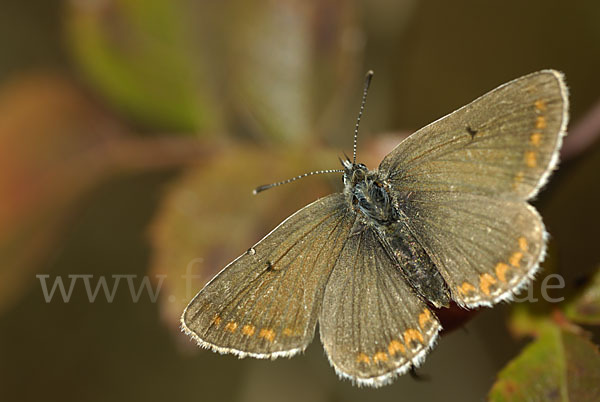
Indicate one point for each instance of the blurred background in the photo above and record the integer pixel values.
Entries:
(132, 134)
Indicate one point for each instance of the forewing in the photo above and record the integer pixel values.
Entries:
(265, 303)
(504, 144)
(373, 326)
(485, 248)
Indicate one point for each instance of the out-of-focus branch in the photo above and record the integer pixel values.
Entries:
(582, 134)
(146, 153)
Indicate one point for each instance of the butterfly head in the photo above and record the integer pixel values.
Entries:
(353, 172)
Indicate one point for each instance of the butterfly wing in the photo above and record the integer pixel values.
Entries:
(462, 183)
(373, 326)
(503, 144)
(485, 248)
(265, 303)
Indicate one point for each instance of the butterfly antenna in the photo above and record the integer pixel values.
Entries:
(268, 186)
(360, 112)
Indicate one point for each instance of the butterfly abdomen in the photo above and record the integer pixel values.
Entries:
(414, 263)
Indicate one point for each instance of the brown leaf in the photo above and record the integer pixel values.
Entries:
(47, 129)
(55, 144)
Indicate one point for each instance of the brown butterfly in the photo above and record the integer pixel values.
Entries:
(444, 217)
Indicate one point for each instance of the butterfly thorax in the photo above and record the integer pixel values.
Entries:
(372, 200)
(368, 195)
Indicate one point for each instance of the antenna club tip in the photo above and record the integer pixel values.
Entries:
(261, 188)
(264, 187)
(368, 79)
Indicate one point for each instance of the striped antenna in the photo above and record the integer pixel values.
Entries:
(360, 112)
(268, 186)
(362, 107)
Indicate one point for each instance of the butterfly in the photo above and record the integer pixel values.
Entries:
(443, 218)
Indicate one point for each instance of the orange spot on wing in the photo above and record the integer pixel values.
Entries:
(535, 139)
(412, 334)
(363, 358)
(267, 333)
(466, 288)
(248, 330)
(515, 258)
(518, 180)
(522, 243)
(231, 326)
(540, 105)
(485, 282)
(396, 346)
(424, 318)
(380, 357)
(217, 320)
(287, 332)
(540, 122)
(530, 159)
(501, 269)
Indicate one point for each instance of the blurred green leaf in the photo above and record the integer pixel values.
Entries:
(284, 67)
(145, 60)
(585, 307)
(558, 366)
(527, 322)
